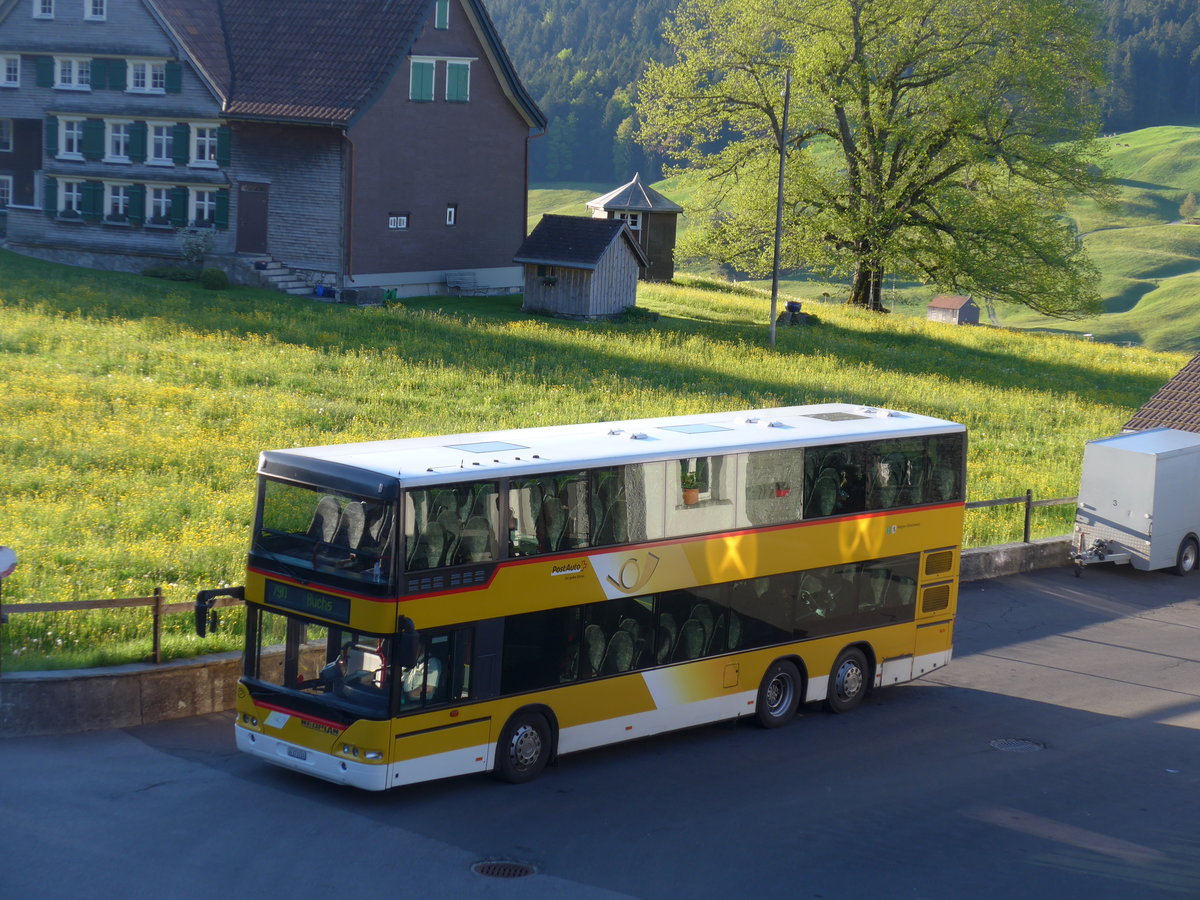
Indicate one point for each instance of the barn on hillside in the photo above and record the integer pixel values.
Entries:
(953, 309)
(580, 268)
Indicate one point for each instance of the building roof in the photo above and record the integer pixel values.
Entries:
(575, 242)
(635, 197)
(949, 301)
(316, 61)
(1176, 405)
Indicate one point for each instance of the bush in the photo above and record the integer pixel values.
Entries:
(214, 279)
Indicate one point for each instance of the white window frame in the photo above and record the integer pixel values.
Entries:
(110, 133)
(412, 87)
(398, 221)
(632, 219)
(72, 67)
(7, 141)
(10, 70)
(151, 72)
(441, 15)
(158, 206)
(95, 10)
(202, 153)
(194, 203)
(152, 159)
(6, 191)
(43, 9)
(451, 214)
(113, 189)
(74, 195)
(70, 131)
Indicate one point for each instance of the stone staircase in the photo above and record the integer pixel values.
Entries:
(275, 274)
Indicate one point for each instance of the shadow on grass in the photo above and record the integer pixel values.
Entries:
(301, 321)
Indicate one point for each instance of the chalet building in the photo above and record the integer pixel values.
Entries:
(651, 217)
(368, 143)
(581, 268)
(953, 309)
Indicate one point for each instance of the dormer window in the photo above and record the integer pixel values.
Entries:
(632, 219)
(43, 9)
(95, 10)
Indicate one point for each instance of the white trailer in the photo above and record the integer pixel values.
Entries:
(1139, 501)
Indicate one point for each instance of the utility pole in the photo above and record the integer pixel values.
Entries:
(783, 136)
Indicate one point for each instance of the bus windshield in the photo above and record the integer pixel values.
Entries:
(336, 667)
(324, 531)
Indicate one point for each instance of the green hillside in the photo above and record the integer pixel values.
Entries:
(1148, 259)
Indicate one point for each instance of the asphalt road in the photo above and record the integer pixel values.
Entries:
(905, 797)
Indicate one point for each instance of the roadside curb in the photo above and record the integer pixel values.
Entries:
(74, 700)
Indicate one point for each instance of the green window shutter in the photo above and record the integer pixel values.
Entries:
(99, 76)
(181, 145)
(92, 200)
(137, 142)
(173, 72)
(421, 87)
(221, 217)
(45, 71)
(458, 82)
(116, 74)
(50, 195)
(93, 139)
(50, 131)
(179, 207)
(137, 204)
(441, 16)
(224, 141)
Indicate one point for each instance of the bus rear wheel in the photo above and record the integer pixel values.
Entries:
(847, 682)
(778, 695)
(524, 748)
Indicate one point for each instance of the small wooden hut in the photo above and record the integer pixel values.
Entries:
(953, 309)
(652, 219)
(580, 268)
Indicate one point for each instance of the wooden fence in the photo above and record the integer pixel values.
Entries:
(211, 600)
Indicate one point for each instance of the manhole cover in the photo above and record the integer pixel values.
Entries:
(1017, 745)
(502, 868)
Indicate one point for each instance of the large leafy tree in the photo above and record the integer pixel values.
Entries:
(937, 139)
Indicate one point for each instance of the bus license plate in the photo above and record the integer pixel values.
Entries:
(297, 753)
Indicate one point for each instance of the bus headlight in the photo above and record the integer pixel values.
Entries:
(373, 755)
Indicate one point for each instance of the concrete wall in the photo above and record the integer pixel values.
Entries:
(33, 703)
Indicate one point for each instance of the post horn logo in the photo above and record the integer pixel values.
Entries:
(634, 573)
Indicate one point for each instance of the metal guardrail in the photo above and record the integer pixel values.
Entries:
(1029, 503)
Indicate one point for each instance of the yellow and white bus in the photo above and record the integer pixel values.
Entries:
(435, 606)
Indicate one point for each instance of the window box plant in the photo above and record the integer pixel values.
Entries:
(690, 483)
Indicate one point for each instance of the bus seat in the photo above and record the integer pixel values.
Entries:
(326, 516)
(905, 590)
(427, 550)
(351, 527)
(702, 614)
(822, 499)
(452, 529)
(691, 640)
(593, 648)
(619, 655)
(716, 640)
(665, 644)
(631, 625)
(476, 541)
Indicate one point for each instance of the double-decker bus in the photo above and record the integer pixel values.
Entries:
(435, 606)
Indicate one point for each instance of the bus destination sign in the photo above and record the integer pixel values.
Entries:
(305, 601)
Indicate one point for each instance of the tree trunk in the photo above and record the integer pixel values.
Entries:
(866, 288)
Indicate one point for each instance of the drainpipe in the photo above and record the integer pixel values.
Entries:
(347, 273)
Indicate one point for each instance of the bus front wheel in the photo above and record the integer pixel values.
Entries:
(847, 682)
(524, 748)
(778, 695)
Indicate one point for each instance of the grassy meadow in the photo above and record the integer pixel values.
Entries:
(134, 409)
(1149, 261)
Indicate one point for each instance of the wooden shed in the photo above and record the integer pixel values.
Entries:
(652, 219)
(953, 309)
(580, 268)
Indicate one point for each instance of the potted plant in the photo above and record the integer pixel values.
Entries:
(690, 483)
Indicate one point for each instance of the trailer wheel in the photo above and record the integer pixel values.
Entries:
(1186, 558)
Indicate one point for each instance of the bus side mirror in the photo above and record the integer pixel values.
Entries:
(408, 644)
(206, 616)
